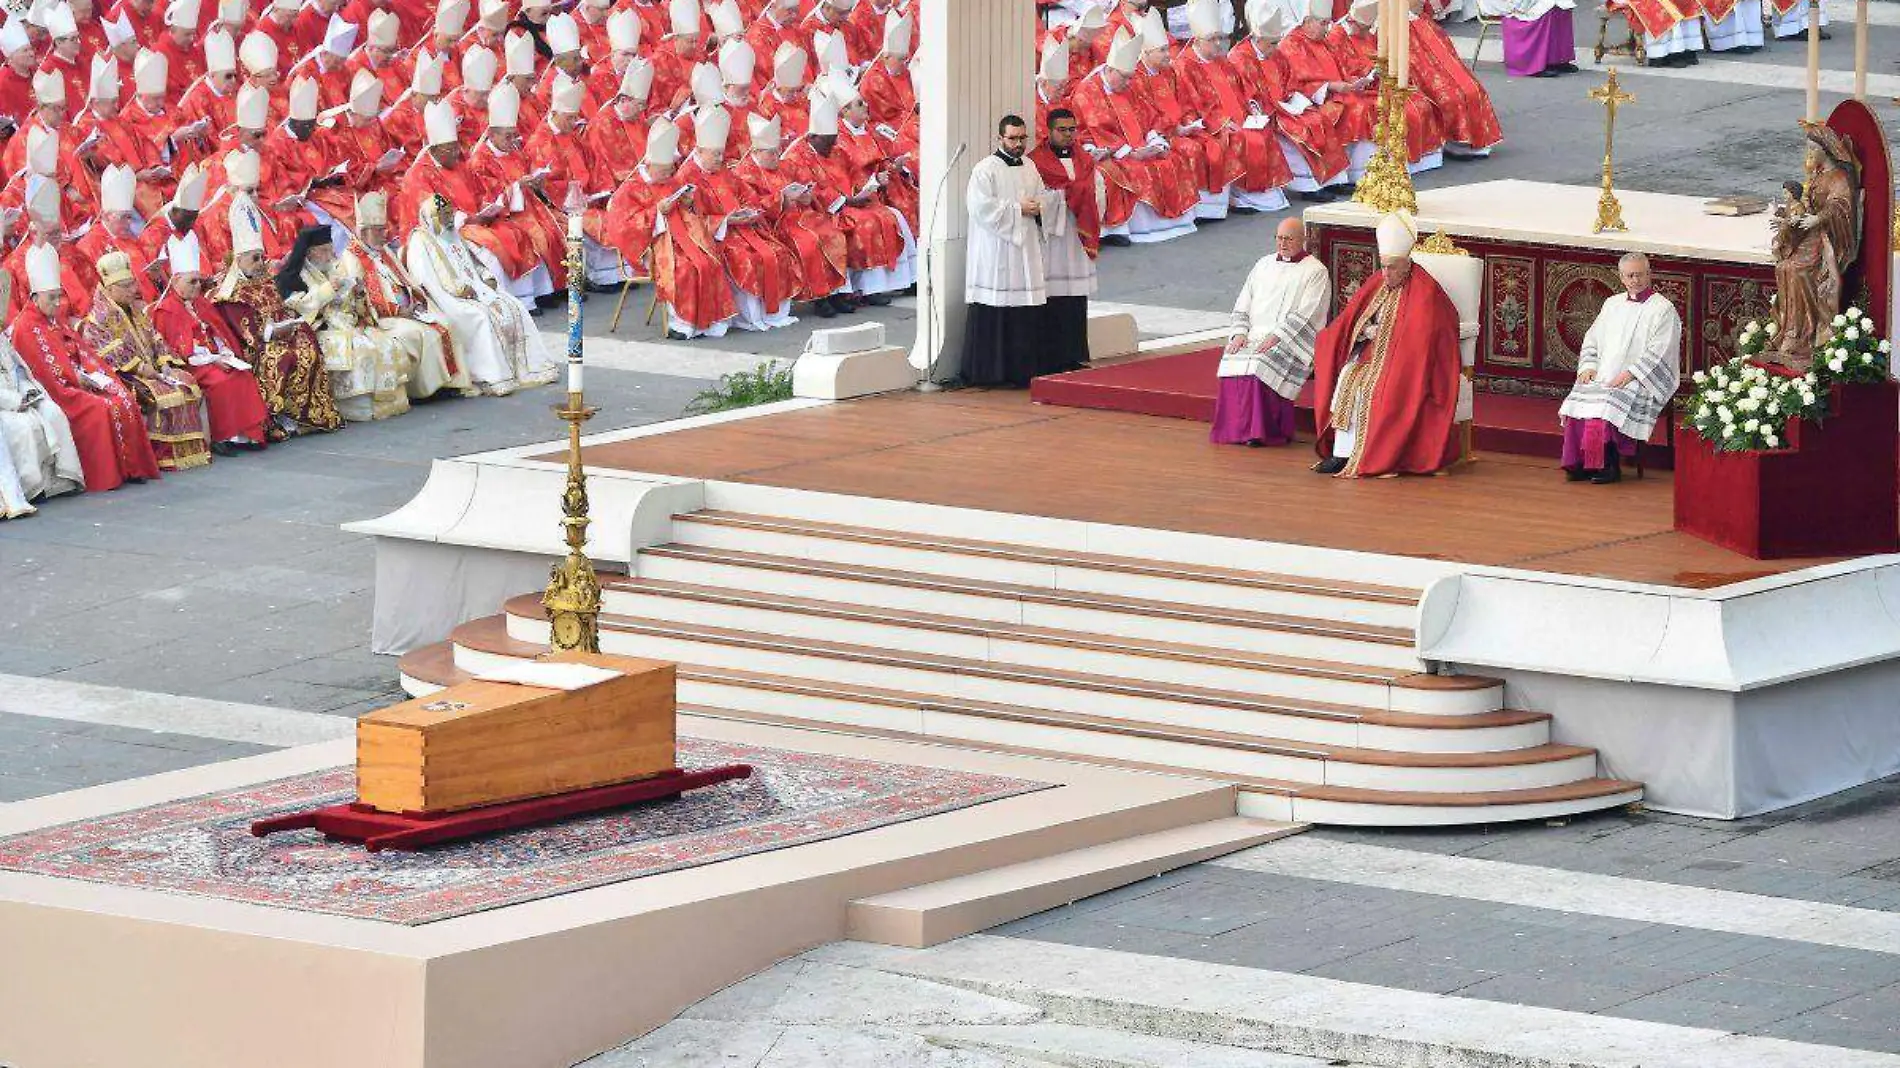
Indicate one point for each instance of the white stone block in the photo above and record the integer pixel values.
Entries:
(1114, 334)
(858, 374)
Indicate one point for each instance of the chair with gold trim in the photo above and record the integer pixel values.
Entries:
(1461, 276)
(1632, 46)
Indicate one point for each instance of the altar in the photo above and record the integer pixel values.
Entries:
(1547, 273)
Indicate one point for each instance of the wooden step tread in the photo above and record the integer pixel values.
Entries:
(1581, 790)
(1233, 617)
(1132, 565)
(906, 699)
(1019, 631)
(529, 606)
(1250, 743)
(435, 664)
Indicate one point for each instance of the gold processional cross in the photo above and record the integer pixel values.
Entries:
(1611, 96)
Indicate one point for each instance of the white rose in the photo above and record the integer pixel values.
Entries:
(1752, 425)
(1771, 439)
(1840, 321)
(1853, 333)
(1772, 327)
(1853, 313)
(1702, 412)
(1836, 364)
(1811, 378)
(1774, 408)
(1699, 377)
(1758, 392)
(1886, 346)
(1728, 431)
(1725, 415)
(1867, 325)
(1866, 357)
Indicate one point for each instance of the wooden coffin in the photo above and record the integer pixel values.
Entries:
(485, 743)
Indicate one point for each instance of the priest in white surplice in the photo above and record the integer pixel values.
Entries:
(1627, 373)
(1005, 280)
(1269, 356)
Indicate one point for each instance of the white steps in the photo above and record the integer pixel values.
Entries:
(926, 915)
(1304, 691)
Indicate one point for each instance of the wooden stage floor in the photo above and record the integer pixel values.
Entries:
(998, 451)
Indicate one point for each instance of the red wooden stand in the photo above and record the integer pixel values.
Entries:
(1834, 491)
(378, 831)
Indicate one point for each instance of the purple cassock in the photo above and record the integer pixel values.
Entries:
(1247, 411)
(1534, 45)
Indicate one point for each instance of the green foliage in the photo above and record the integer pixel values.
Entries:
(764, 384)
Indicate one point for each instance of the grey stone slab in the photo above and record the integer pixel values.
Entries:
(1823, 967)
(1380, 969)
(25, 787)
(1764, 1001)
(1129, 938)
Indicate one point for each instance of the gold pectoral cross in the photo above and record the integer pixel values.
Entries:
(1611, 96)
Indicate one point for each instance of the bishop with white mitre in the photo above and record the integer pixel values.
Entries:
(1627, 372)
(1269, 355)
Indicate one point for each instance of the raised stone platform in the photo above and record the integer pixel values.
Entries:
(114, 974)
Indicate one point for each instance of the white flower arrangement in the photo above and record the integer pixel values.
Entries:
(1743, 406)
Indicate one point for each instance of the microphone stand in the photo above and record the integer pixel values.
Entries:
(933, 320)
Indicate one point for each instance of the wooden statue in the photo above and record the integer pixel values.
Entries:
(1816, 241)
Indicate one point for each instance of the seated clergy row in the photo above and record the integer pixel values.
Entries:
(1190, 133)
(692, 141)
(1386, 369)
(238, 359)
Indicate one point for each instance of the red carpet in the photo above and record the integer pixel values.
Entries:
(1182, 387)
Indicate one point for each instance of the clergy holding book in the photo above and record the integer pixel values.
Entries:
(1005, 278)
(1386, 371)
(1627, 372)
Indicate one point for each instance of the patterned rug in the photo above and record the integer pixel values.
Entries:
(203, 845)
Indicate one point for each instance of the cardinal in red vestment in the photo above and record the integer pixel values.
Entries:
(787, 194)
(107, 425)
(1386, 370)
(652, 213)
(1121, 131)
(1214, 88)
(194, 330)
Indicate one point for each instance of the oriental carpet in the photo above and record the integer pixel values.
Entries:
(203, 846)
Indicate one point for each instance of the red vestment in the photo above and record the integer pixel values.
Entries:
(1314, 133)
(1357, 50)
(99, 241)
(823, 254)
(758, 262)
(232, 397)
(1309, 64)
(1464, 107)
(765, 37)
(891, 97)
(1222, 103)
(1114, 121)
(16, 95)
(872, 238)
(540, 231)
(617, 145)
(1213, 162)
(686, 266)
(1078, 191)
(860, 47)
(184, 66)
(1408, 426)
(78, 78)
(107, 425)
(794, 115)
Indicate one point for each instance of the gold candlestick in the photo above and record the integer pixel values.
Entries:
(1609, 210)
(573, 594)
(1387, 184)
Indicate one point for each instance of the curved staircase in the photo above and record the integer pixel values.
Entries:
(1303, 691)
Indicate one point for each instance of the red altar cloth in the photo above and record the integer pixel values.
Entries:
(1834, 491)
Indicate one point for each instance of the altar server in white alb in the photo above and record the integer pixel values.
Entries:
(1737, 32)
(1005, 279)
(1269, 356)
(1627, 372)
(1791, 20)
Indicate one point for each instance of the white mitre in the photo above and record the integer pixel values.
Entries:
(1398, 232)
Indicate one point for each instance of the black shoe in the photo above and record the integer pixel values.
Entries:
(1547, 72)
(1576, 474)
(1332, 465)
(1826, 35)
(844, 304)
(537, 311)
(1746, 50)
(1691, 60)
(1317, 196)
(1203, 222)
(1565, 68)
(822, 308)
(223, 448)
(1116, 240)
(675, 335)
(1612, 471)
(876, 300)
(1238, 210)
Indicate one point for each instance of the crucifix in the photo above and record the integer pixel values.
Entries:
(1609, 212)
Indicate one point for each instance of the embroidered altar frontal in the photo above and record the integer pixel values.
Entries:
(1546, 274)
(203, 846)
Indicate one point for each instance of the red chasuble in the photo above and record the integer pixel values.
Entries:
(1114, 121)
(1409, 426)
(872, 238)
(891, 97)
(1077, 191)
(617, 145)
(686, 266)
(1309, 64)
(1356, 52)
(232, 397)
(819, 241)
(1213, 166)
(107, 425)
(759, 264)
(1222, 102)
(1464, 107)
(1313, 133)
